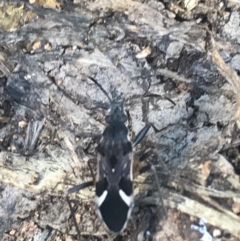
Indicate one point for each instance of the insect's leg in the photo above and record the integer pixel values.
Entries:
(129, 122)
(151, 167)
(149, 152)
(80, 187)
(92, 174)
(142, 133)
(138, 163)
(146, 154)
(72, 190)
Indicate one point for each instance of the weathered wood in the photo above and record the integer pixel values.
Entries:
(194, 208)
(168, 74)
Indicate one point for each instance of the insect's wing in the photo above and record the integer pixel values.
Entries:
(114, 192)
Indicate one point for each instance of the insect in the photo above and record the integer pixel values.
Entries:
(114, 198)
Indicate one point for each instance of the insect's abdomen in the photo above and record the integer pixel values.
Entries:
(116, 204)
(114, 211)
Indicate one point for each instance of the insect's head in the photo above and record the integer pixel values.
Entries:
(116, 110)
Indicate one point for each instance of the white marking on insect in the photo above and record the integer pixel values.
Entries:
(100, 200)
(127, 199)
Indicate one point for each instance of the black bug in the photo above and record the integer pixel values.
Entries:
(114, 199)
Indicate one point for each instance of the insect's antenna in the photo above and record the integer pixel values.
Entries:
(102, 89)
(72, 190)
(159, 188)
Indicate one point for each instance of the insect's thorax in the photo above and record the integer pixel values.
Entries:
(114, 143)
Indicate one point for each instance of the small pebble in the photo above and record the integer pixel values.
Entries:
(22, 124)
(12, 232)
(47, 46)
(216, 233)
